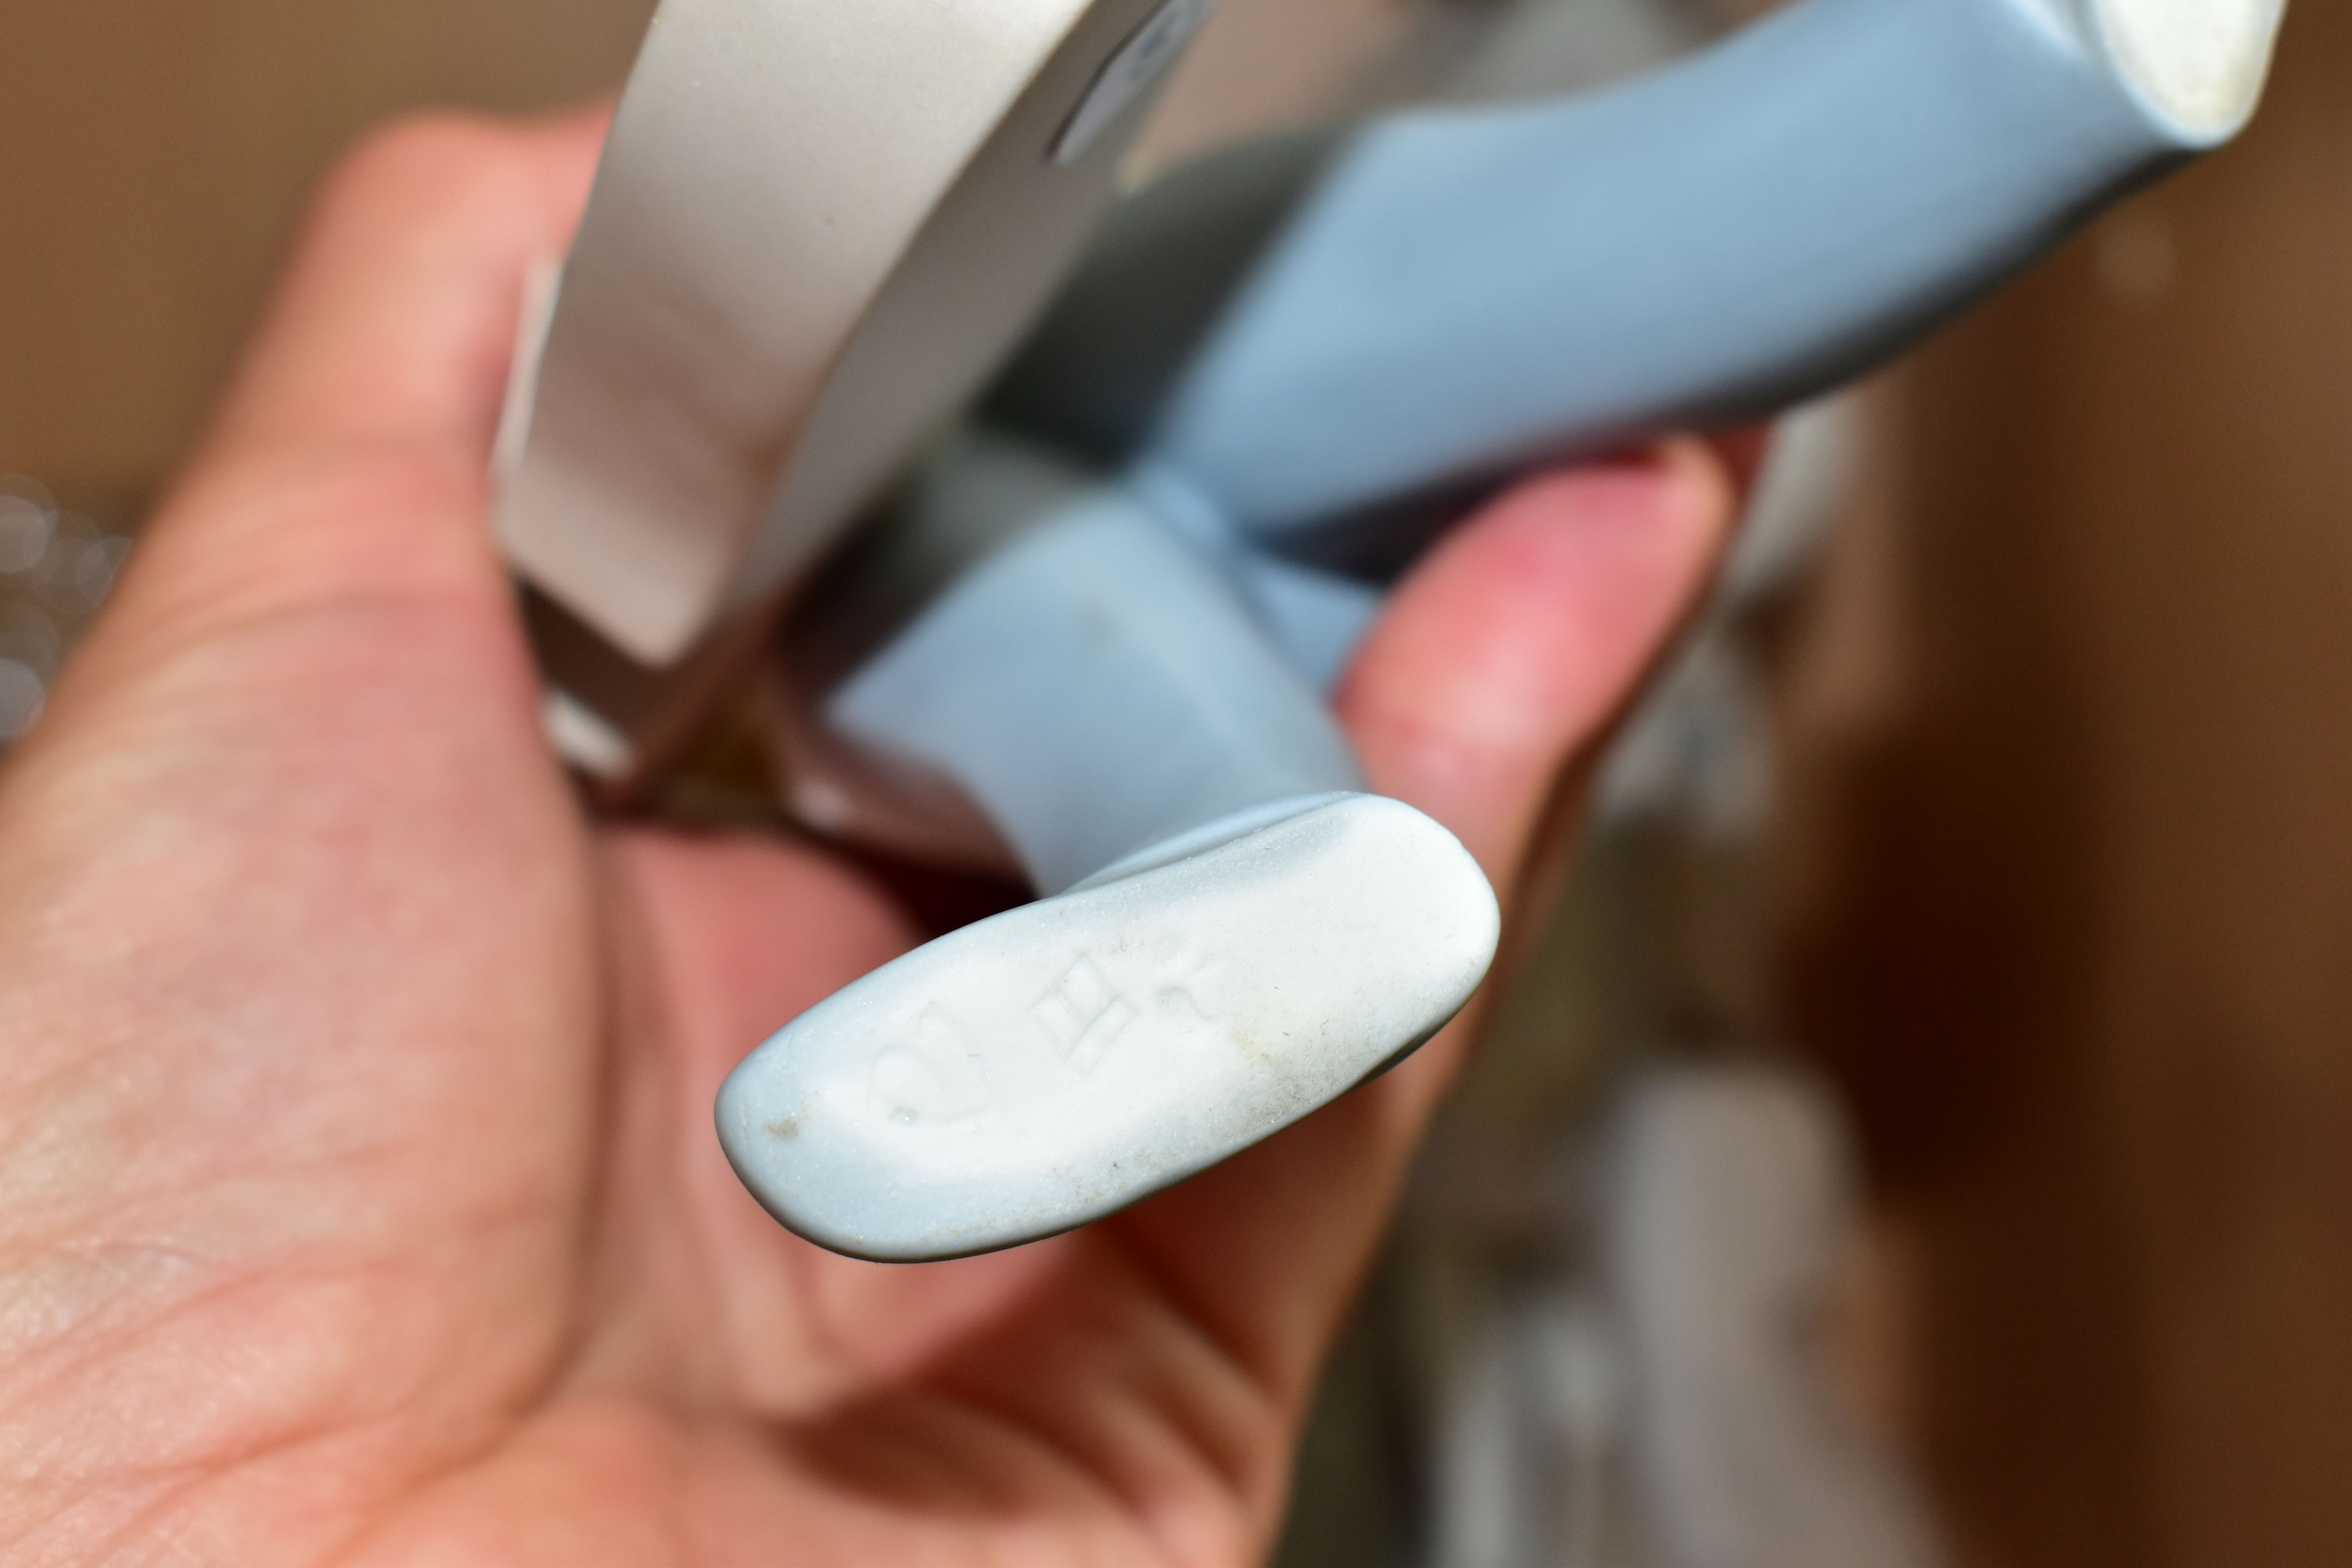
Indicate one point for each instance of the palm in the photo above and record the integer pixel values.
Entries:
(357, 1192)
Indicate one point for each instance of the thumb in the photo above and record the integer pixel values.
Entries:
(349, 458)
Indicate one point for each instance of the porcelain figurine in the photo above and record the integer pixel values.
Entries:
(1092, 634)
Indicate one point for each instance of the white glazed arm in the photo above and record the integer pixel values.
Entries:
(1468, 290)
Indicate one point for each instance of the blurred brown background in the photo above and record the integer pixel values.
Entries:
(153, 155)
(2074, 925)
(2065, 875)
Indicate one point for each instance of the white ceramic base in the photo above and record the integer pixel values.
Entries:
(1058, 1062)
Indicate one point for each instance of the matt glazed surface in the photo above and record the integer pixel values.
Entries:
(1063, 1061)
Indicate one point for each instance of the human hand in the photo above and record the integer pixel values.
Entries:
(358, 1201)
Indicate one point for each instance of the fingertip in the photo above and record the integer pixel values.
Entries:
(1517, 641)
(352, 451)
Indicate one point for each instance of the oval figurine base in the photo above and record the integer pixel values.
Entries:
(1052, 1065)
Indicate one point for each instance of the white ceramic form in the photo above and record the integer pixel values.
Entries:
(1091, 639)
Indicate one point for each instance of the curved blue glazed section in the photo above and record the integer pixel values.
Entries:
(1469, 291)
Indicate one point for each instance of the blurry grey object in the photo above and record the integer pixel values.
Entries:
(1532, 1449)
(28, 520)
(56, 569)
(1667, 1401)
(1730, 1206)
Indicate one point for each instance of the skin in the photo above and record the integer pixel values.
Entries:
(358, 1198)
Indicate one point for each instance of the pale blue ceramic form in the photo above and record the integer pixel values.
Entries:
(1098, 629)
